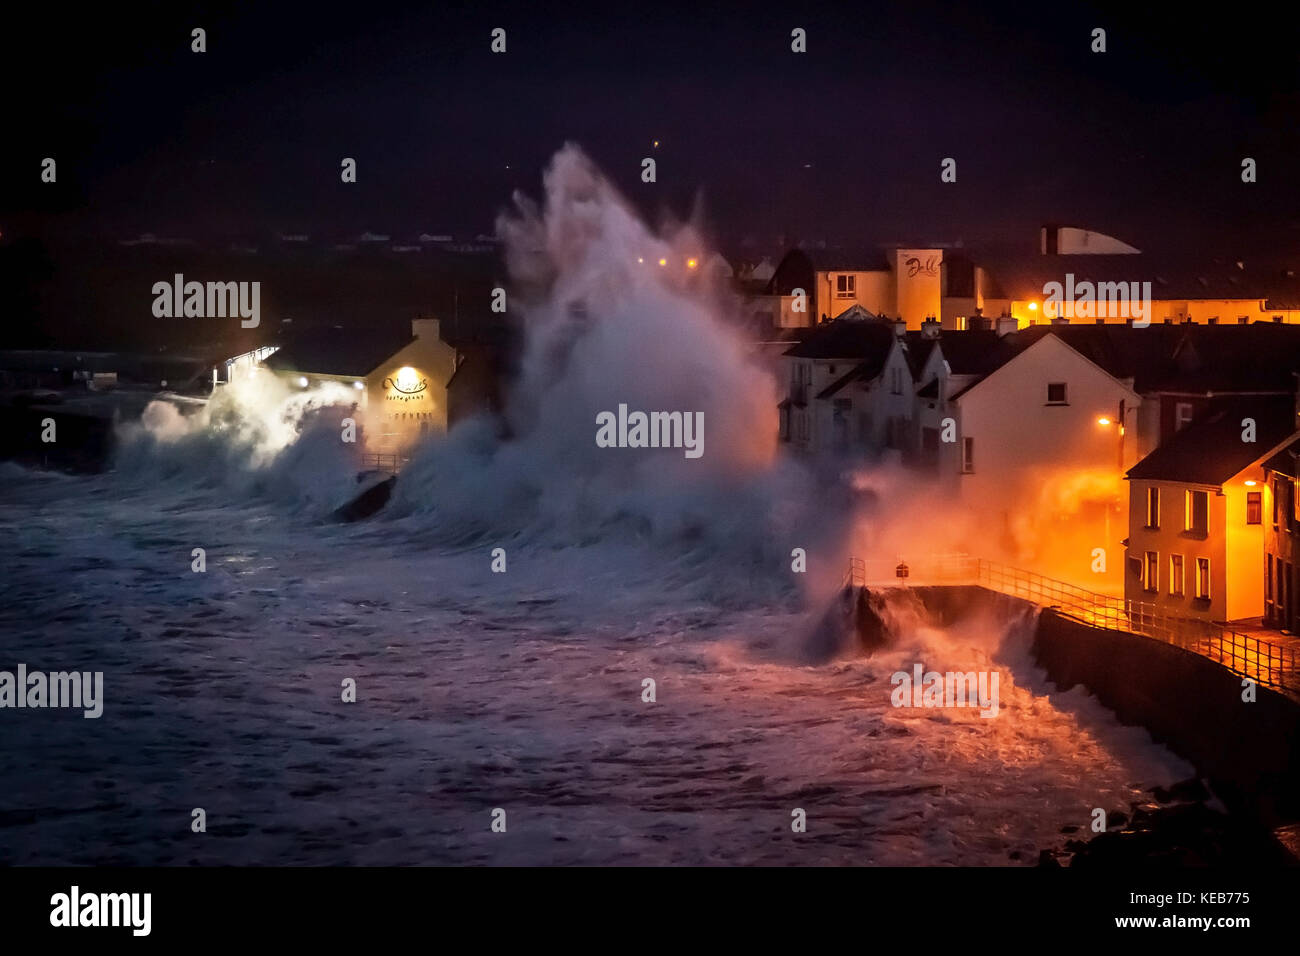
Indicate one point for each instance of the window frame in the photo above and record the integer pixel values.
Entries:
(1065, 393)
(1178, 576)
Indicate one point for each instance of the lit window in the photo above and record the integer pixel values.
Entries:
(1202, 579)
(1056, 393)
(1254, 507)
(968, 455)
(1151, 574)
(1176, 575)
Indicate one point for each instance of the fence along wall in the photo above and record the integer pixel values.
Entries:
(1250, 751)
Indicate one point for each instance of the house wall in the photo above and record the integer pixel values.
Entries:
(1244, 568)
(873, 291)
(406, 396)
(1047, 479)
(920, 285)
(1172, 537)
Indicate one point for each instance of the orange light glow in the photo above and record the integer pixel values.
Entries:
(691, 263)
(1250, 484)
(1103, 421)
(1033, 306)
(663, 262)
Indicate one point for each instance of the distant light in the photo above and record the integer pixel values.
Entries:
(1250, 484)
(302, 381)
(691, 263)
(663, 262)
(358, 384)
(656, 144)
(1033, 306)
(1103, 421)
(640, 259)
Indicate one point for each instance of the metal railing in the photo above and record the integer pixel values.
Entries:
(1273, 663)
(383, 461)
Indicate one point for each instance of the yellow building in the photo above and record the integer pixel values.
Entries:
(1197, 510)
(400, 381)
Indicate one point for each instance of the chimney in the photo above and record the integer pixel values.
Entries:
(1006, 325)
(900, 328)
(930, 328)
(425, 329)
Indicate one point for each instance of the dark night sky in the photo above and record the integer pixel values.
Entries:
(1144, 141)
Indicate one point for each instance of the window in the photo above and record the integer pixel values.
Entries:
(1153, 507)
(1268, 581)
(1243, 320)
(1176, 575)
(1182, 415)
(968, 455)
(961, 323)
(1214, 320)
(1151, 575)
(846, 286)
(1198, 503)
(1056, 393)
(1202, 579)
(896, 381)
(1277, 318)
(1254, 507)
(830, 369)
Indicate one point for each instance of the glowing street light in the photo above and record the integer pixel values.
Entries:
(1103, 420)
(691, 263)
(663, 262)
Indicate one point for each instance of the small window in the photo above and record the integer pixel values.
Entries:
(830, 369)
(968, 455)
(1198, 504)
(1243, 320)
(1202, 579)
(846, 286)
(1151, 574)
(1254, 507)
(1056, 393)
(961, 323)
(1214, 320)
(1183, 412)
(1277, 318)
(1153, 508)
(1176, 575)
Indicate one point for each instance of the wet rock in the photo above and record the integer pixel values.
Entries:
(368, 502)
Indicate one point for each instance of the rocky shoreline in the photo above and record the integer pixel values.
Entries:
(1181, 826)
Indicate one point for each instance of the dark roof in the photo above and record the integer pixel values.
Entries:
(1210, 451)
(338, 351)
(1285, 461)
(847, 339)
(929, 391)
(976, 351)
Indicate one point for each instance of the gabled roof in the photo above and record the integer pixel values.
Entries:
(1210, 451)
(339, 351)
(849, 339)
